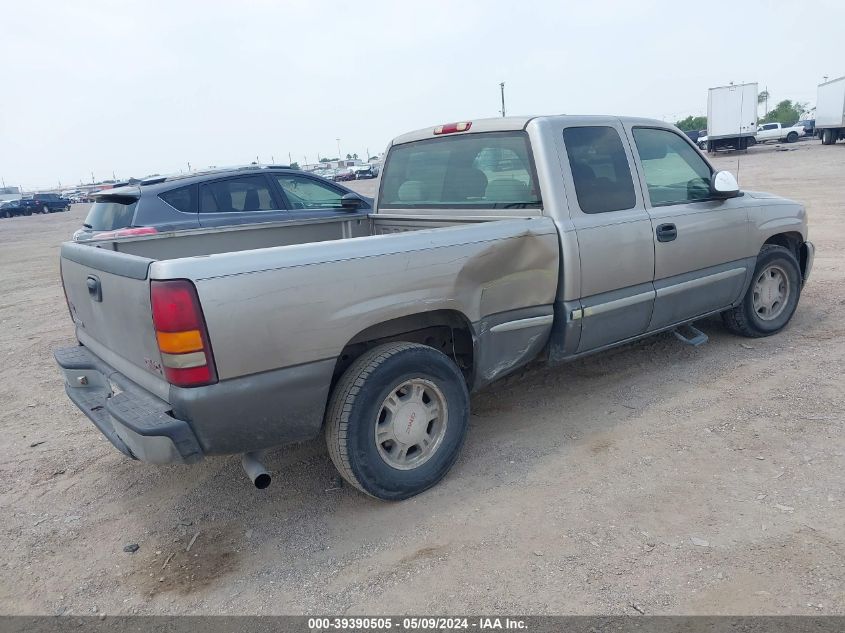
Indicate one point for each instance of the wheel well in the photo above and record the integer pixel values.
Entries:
(793, 242)
(448, 331)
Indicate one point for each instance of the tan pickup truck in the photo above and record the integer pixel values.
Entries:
(492, 243)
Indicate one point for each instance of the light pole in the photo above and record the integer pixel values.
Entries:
(338, 148)
(502, 87)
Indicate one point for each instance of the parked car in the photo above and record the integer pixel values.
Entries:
(809, 126)
(212, 199)
(780, 133)
(363, 172)
(693, 135)
(11, 208)
(375, 326)
(702, 142)
(344, 175)
(49, 203)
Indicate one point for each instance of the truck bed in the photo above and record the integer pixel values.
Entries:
(279, 295)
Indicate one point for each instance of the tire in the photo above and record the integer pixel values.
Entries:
(27, 212)
(392, 373)
(751, 142)
(749, 317)
(702, 146)
(827, 137)
(5, 214)
(45, 209)
(792, 137)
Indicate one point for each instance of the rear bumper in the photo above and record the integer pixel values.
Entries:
(137, 423)
(233, 416)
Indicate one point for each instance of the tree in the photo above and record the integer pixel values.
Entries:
(294, 165)
(355, 156)
(349, 157)
(786, 113)
(692, 123)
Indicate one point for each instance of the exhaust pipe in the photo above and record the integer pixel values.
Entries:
(255, 470)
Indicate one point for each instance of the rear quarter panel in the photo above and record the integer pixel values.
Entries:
(281, 307)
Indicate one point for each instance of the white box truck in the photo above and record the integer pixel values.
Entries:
(830, 111)
(731, 117)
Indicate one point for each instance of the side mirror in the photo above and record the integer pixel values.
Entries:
(724, 185)
(350, 202)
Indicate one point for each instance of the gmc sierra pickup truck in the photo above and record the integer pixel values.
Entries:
(492, 243)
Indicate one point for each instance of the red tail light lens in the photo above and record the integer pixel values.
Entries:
(181, 334)
(451, 128)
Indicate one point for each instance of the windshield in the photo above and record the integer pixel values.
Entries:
(492, 170)
(115, 212)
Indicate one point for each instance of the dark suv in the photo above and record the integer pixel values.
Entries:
(219, 198)
(48, 203)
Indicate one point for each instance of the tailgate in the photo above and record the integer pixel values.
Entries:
(109, 297)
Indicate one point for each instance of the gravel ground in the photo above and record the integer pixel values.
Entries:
(656, 478)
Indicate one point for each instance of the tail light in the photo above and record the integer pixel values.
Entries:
(140, 230)
(181, 334)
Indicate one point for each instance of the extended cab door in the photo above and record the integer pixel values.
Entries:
(614, 235)
(701, 244)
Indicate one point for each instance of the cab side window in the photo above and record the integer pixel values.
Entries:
(675, 173)
(600, 169)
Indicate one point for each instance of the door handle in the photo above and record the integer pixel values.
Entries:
(666, 232)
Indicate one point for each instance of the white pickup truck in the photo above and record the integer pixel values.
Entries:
(492, 244)
(777, 132)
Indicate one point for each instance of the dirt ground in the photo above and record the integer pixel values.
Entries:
(656, 478)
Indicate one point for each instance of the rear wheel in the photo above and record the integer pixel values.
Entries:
(792, 137)
(772, 297)
(752, 141)
(827, 137)
(397, 420)
(5, 214)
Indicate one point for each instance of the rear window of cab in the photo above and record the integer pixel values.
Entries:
(489, 170)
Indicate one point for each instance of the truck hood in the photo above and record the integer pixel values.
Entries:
(762, 195)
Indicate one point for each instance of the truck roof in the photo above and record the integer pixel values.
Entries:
(514, 123)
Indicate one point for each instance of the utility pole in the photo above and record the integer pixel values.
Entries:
(189, 166)
(338, 148)
(502, 87)
(825, 78)
(92, 177)
(290, 160)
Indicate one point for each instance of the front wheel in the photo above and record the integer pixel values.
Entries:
(397, 419)
(772, 297)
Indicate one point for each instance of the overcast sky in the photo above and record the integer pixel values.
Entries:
(145, 87)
